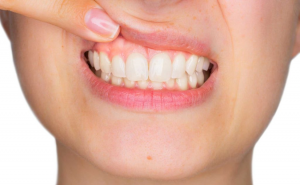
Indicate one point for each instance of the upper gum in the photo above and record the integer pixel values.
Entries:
(124, 48)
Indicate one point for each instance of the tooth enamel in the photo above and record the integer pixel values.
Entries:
(129, 83)
(193, 80)
(206, 65)
(160, 68)
(116, 80)
(118, 66)
(200, 64)
(182, 82)
(157, 85)
(91, 58)
(178, 66)
(191, 64)
(96, 61)
(136, 67)
(105, 64)
(170, 83)
(106, 76)
(200, 77)
(143, 84)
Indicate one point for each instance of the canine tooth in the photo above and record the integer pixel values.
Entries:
(91, 58)
(118, 66)
(200, 62)
(96, 61)
(170, 83)
(129, 83)
(116, 80)
(191, 64)
(136, 67)
(193, 80)
(160, 68)
(200, 77)
(106, 76)
(206, 64)
(143, 84)
(157, 85)
(182, 82)
(178, 67)
(105, 64)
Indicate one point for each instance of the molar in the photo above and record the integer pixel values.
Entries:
(136, 67)
(206, 64)
(160, 68)
(91, 58)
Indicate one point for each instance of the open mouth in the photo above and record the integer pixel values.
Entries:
(142, 78)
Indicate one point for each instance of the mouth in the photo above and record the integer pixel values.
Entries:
(139, 78)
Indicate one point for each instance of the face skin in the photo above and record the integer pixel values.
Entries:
(252, 43)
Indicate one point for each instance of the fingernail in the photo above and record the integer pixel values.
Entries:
(98, 21)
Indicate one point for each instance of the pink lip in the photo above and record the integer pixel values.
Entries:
(147, 100)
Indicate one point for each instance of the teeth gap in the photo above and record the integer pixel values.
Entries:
(172, 84)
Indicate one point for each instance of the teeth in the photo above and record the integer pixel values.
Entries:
(129, 83)
(136, 67)
(178, 66)
(143, 84)
(118, 67)
(157, 85)
(162, 72)
(91, 58)
(191, 64)
(96, 61)
(193, 81)
(170, 83)
(106, 76)
(200, 64)
(116, 80)
(105, 63)
(160, 68)
(200, 77)
(182, 82)
(206, 64)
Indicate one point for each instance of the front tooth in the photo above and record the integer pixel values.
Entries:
(206, 64)
(143, 84)
(178, 66)
(160, 68)
(136, 67)
(105, 63)
(170, 83)
(106, 76)
(96, 61)
(129, 83)
(200, 77)
(116, 80)
(193, 80)
(191, 64)
(200, 62)
(182, 82)
(118, 67)
(157, 85)
(91, 58)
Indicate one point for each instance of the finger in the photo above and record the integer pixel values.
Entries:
(84, 18)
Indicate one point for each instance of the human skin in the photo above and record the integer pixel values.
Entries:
(98, 142)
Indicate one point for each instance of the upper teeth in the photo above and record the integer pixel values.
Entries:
(160, 70)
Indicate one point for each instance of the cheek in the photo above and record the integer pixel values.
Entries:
(260, 61)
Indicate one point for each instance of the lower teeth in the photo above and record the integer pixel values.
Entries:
(186, 82)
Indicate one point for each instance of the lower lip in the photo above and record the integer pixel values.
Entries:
(147, 100)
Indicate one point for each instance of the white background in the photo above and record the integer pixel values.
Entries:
(28, 153)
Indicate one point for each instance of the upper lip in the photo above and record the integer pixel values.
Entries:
(161, 35)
